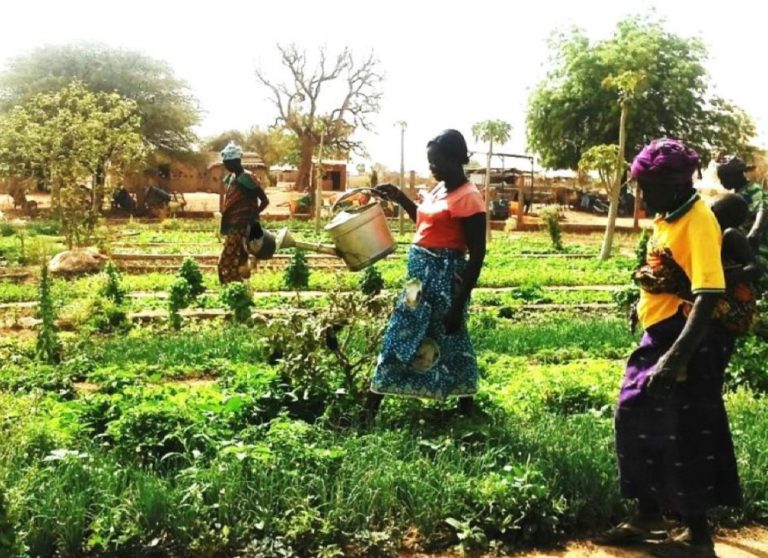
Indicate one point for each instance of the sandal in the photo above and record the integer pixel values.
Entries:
(681, 549)
(627, 534)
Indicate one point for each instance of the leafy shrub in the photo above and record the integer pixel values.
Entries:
(48, 346)
(641, 250)
(531, 293)
(748, 366)
(550, 215)
(296, 275)
(236, 297)
(154, 432)
(112, 288)
(8, 542)
(178, 298)
(191, 273)
(569, 398)
(371, 282)
(6, 229)
(626, 297)
(107, 316)
(516, 505)
(330, 351)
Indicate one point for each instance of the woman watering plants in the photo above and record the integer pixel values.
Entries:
(673, 442)
(427, 351)
(244, 201)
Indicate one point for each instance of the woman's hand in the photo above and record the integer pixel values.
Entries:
(389, 192)
(669, 370)
(453, 319)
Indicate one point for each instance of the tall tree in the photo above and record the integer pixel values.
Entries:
(491, 131)
(219, 141)
(570, 110)
(167, 109)
(66, 138)
(328, 101)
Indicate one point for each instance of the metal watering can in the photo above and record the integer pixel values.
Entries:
(360, 235)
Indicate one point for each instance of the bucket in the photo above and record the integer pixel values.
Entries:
(361, 235)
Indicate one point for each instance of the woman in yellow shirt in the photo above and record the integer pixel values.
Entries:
(673, 442)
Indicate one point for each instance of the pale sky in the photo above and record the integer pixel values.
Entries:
(435, 54)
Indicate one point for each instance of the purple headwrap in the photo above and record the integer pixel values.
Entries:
(666, 159)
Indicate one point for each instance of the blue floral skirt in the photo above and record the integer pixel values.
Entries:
(418, 359)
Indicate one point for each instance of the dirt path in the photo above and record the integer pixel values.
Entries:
(750, 542)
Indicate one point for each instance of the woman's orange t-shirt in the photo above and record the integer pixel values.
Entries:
(438, 218)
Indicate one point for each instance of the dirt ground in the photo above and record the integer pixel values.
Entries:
(280, 197)
(749, 542)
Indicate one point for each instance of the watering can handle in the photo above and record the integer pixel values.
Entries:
(354, 192)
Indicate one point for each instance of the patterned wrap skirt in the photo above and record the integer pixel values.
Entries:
(418, 359)
(677, 450)
(233, 260)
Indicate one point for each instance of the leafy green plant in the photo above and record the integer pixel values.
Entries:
(626, 297)
(107, 316)
(641, 250)
(6, 229)
(550, 215)
(8, 542)
(48, 346)
(178, 298)
(531, 293)
(296, 275)
(112, 288)
(191, 273)
(236, 297)
(329, 352)
(371, 282)
(748, 365)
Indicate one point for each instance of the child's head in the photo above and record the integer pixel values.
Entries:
(730, 210)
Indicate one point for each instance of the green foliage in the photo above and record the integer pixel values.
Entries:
(626, 297)
(492, 131)
(107, 316)
(571, 110)
(8, 542)
(178, 298)
(47, 346)
(371, 282)
(330, 351)
(641, 251)
(191, 273)
(112, 288)
(748, 365)
(166, 109)
(551, 217)
(531, 293)
(237, 298)
(602, 159)
(6, 229)
(64, 137)
(296, 275)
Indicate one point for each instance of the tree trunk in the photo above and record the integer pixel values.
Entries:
(638, 205)
(305, 165)
(605, 252)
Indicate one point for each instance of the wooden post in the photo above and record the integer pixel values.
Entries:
(319, 186)
(520, 204)
(638, 204)
(488, 195)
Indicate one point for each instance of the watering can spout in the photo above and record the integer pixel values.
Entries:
(262, 244)
(284, 239)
